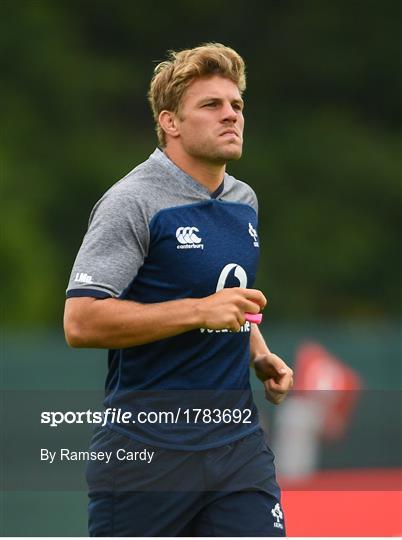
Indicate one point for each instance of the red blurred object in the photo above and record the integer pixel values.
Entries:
(345, 503)
(329, 381)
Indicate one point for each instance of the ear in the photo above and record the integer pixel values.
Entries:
(169, 123)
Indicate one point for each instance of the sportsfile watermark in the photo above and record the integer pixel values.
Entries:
(51, 437)
(113, 415)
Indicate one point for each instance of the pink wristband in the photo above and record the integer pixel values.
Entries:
(254, 317)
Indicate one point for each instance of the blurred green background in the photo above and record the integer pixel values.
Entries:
(322, 150)
(323, 140)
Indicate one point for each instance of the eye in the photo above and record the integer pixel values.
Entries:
(210, 104)
(237, 106)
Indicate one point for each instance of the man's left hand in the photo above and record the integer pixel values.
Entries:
(276, 376)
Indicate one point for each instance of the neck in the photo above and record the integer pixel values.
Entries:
(207, 173)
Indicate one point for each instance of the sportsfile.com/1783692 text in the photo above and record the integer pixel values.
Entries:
(113, 415)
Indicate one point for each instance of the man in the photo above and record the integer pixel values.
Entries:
(163, 280)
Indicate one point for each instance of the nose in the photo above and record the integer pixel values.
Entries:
(229, 114)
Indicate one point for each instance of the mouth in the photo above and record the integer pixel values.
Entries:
(230, 132)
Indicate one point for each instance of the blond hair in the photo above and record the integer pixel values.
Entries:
(172, 77)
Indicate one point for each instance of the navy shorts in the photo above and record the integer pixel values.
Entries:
(149, 491)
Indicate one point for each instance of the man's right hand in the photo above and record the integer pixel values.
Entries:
(226, 308)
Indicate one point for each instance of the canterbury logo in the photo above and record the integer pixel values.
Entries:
(187, 238)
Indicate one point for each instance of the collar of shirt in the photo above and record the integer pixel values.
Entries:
(160, 156)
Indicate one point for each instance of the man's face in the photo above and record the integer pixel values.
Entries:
(210, 120)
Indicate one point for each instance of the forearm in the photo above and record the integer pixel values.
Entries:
(258, 346)
(275, 375)
(117, 324)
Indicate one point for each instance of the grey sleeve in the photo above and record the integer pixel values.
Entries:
(254, 200)
(114, 247)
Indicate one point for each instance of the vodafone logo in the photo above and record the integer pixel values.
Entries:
(188, 239)
(239, 273)
(241, 276)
